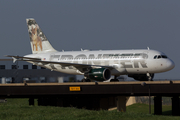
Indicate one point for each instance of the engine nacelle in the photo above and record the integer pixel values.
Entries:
(99, 74)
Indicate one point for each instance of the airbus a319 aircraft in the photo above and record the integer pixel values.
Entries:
(100, 65)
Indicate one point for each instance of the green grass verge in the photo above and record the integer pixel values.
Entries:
(18, 109)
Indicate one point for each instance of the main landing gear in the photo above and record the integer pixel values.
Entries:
(115, 79)
(111, 80)
(85, 80)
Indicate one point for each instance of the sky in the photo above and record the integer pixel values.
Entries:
(95, 25)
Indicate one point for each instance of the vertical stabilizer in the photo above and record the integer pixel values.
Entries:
(39, 42)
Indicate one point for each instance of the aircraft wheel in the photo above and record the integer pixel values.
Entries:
(85, 80)
(88, 80)
(114, 80)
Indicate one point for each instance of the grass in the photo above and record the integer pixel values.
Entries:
(18, 109)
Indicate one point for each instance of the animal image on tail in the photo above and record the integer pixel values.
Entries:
(36, 40)
(39, 42)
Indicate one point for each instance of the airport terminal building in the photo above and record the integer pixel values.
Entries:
(21, 71)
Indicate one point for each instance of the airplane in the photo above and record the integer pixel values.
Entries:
(140, 64)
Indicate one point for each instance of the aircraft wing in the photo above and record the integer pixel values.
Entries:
(20, 58)
(64, 64)
(77, 65)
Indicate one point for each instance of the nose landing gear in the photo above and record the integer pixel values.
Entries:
(150, 76)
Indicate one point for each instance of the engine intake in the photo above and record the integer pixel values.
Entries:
(99, 74)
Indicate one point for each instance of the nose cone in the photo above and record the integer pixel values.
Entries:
(170, 64)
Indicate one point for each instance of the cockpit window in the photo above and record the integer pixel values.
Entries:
(160, 56)
(164, 56)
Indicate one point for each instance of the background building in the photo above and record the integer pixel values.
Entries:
(19, 71)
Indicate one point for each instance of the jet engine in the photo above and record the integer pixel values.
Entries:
(99, 74)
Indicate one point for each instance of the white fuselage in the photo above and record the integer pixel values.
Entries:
(123, 61)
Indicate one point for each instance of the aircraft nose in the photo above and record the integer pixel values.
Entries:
(170, 64)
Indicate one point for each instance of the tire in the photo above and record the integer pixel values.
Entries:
(114, 80)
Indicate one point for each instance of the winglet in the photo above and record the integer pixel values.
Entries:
(14, 59)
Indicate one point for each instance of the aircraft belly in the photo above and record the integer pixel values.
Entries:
(136, 70)
(67, 69)
(70, 71)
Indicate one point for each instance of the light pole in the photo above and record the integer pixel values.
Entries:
(149, 101)
(144, 84)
